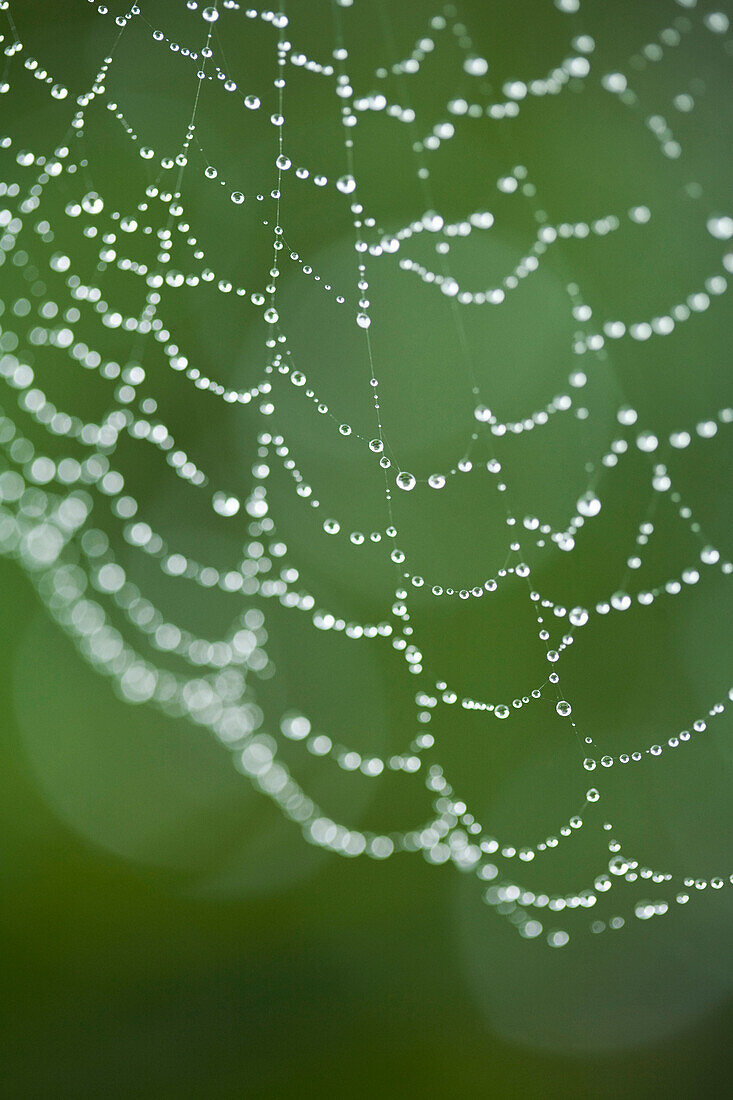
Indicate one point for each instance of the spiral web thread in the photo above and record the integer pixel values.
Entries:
(47, 504)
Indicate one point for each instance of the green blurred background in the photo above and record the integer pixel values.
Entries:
(164, 932)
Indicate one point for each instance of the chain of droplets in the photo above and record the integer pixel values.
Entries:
(109, 578)
(440, 851)
(44, 545)
(411, 486)
(615, 329)
(556, 938)
(216, 703)
(41, 544)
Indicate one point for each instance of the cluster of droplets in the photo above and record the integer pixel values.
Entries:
(46, 504)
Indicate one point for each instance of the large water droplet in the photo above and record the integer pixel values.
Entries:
(588, 504)
(476, 66)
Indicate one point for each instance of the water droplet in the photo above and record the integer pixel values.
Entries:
(405, 480)
(647, 441)
(210, 15)
(578, 616)
(563, 708)
(225, 505)
(721, 228)
(92, 203)
(476, 66)
(588, 504)
(626, 416)
(295, 726)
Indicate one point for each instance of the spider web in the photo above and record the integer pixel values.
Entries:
(92, 273)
